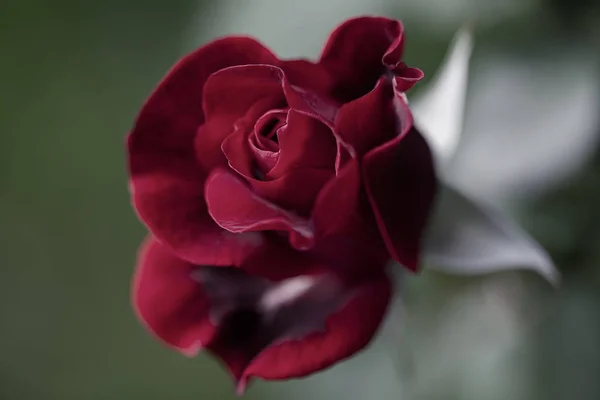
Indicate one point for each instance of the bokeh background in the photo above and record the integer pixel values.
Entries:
(73, 75)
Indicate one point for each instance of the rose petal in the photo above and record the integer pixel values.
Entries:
(236, 208)
(345, 226)
(303, 309)
(169, 302)
(175, 206)
(308, 75)
(166, 181)
(406, 78)
(297, 187)
(236, 150)
(265, 159)
(345, 332)
(400, 183)
(331, 215)
(295, 191)
(251, 154)
(304, 142)
(265, 130)
(229, 95)
(363, 49)
(265, 78)
(371, 120)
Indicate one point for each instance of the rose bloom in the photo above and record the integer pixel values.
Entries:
(276, 192)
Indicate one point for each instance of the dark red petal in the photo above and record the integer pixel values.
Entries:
(262, 81)
(238, 153)
(360, 51)
(234, 206)
(230, 94)
(295, 191)
(296, 188)
(345, 227)
(338, 205)
(346, 332)
(168, 300)
(401, 185)
(311, 103)
(266, 127)
(370, 120)
(277, 260)
(172, 204)
(265, 159)
(406, 78)
(166, 181)
(305, 142)
(308, 75)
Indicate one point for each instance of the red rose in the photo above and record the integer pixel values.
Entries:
(276, 192)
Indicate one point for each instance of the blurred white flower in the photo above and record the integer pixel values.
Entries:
(530, 123)
(537, 143)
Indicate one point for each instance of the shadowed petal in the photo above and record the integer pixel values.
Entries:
(371, 120)
(340, 332)
(345, 226)
(331, 215)
(401, 184)
(169, 302)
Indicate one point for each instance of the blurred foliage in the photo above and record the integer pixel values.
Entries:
(74, 75)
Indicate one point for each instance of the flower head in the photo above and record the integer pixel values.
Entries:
(275, 193)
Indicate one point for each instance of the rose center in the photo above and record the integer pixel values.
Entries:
(269, 129)
(264, 141)
(266, 130)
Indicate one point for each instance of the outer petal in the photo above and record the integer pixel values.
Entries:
(332, 216)
(361, 50)
(468, 238)
(346, 332)
(166, 181)
(172, 205)
(346, 229)
(371, 120)
(169, 302)
(401, 184)
(234, 206)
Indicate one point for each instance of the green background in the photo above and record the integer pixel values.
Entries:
(72, 77)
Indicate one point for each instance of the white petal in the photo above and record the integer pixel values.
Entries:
(439, 111)
(532, 122)
(468, 238)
